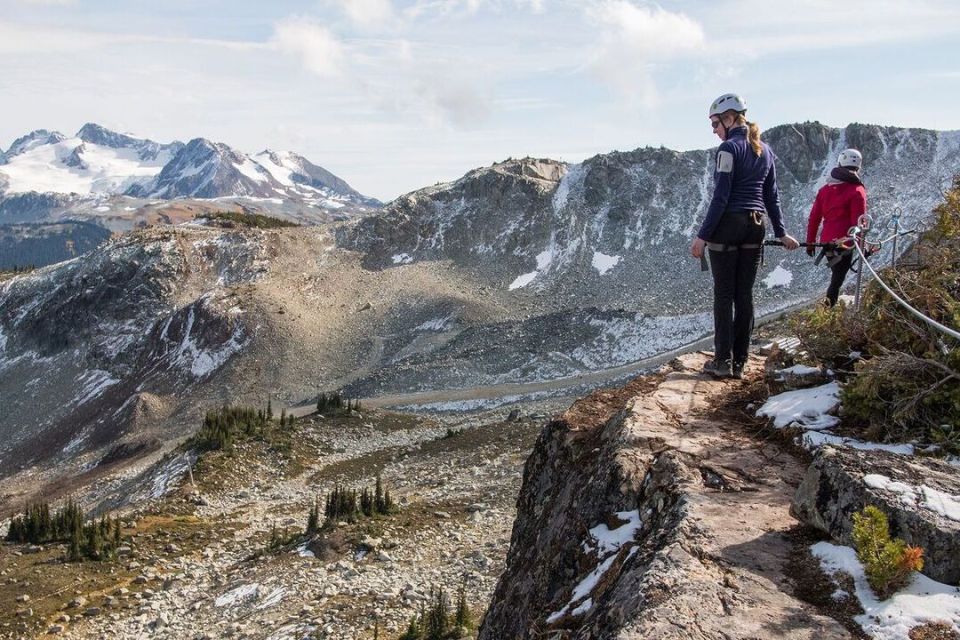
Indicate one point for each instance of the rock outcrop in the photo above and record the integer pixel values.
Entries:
(921, 497)
(641, 516)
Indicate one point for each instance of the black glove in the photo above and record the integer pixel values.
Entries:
(811, 251)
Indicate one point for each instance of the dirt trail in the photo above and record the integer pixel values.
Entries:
(739, 525)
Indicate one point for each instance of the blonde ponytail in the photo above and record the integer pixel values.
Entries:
(753, 133)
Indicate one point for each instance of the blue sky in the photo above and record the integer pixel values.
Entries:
(394, 95)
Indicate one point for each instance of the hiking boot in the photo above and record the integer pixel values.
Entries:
(736, 370)
(718, 368)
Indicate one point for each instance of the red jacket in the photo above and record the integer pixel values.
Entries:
(838, 206)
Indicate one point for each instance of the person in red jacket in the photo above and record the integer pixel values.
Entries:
(838, 206)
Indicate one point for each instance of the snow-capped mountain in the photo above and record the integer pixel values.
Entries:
(204, 169)
(97, 164)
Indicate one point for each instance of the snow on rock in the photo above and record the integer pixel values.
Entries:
(544, 259)
(607, 543)
(402, 258)
(807, 408)
(798, 370)
(437, 324)
(812, 440)
(779, 277)
(922, 601)
(243, 594)
(93, 383)
(272, 599)
(945, 504)
(603, 263)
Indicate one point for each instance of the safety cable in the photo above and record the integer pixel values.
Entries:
(945, 329)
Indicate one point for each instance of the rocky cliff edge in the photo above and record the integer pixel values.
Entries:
(643, 515)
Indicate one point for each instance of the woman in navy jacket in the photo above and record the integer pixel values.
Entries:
(745, 187)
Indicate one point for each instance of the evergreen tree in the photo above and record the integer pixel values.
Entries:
(461, 617)
(413, 630)
(269, 410)
(313, 520)
(438, 616)
(94, 542)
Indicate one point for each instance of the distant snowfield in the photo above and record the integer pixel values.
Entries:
(544, 259)
(603, 263)
(104, 170)
(779, 277)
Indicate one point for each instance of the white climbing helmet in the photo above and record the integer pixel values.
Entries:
(726, 102)
(850, 158)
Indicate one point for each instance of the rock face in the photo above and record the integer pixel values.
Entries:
(638, 519)
(615, 229)
(920, 496)
(83, 342)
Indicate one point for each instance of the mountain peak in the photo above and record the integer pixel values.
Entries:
(34, 139)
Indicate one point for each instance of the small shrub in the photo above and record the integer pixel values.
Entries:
(829, 334)
(887, 563)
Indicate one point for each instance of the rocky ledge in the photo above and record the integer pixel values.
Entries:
(644, 514)
(917, 494)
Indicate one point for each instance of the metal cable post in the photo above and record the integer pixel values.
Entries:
(859, 232)
(896, 241)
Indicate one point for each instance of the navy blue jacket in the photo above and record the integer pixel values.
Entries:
(748, 183)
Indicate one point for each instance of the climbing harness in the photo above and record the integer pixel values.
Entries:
(757, 217)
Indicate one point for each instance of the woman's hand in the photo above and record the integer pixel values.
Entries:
(789, 242)
(696, 249)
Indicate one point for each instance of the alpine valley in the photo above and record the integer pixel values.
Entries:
(527, 283)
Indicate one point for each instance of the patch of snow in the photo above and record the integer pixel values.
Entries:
(544, 260)
(922, 601)
(169, 473)
(812, 440)
(799, 370)
(583, 608)
(303, 552)
(203, 362)
(574, 175)
(75, 442)
(609, 541)
(779, 277)
(807, 408)
(281, 172)
(523, 280)
(251, 170)
(437, 324)
(944, 504)
(606, 542)
(92, 384)
(240, 595)
(603, 263)
(402, 258)
(273, 598)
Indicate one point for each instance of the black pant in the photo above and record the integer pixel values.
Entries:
(839, 271)
(734, 273)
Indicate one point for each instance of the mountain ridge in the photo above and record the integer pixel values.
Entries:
(100, 165)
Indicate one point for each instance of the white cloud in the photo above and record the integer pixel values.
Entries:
(318, 49)
(813, 25)
(470, 7)
(367, 13)
(634, 40)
